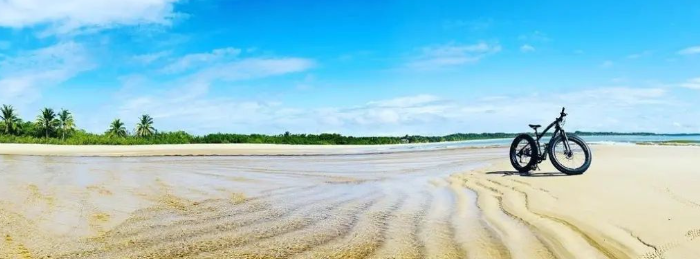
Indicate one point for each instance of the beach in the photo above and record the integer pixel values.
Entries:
(278, 201)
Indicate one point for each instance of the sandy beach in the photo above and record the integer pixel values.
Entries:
(361, 202)
(187, 150)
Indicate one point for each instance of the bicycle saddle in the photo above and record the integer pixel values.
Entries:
(534, 126)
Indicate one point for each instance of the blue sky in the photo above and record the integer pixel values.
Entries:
(355, 67)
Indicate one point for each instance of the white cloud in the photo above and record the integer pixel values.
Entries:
(189, 102)
(620, 109)
(151, 57)
(68, 16)
(690, 50)
(441, 56)
(598, 109)
(252, 68)
(192, 60)
(405, 102)
(692, 83)
(527, 48)
(22, 77)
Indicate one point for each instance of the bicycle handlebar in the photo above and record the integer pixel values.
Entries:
(562, 114)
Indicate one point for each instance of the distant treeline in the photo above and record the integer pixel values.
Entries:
(59, 128)
(80, 137)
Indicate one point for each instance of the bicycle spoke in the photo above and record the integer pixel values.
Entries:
(524, 154)
(572, 161)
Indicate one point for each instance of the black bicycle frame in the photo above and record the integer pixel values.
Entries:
(557, 130)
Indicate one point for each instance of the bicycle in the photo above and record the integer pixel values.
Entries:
(568, 153)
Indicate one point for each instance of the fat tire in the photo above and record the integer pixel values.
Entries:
(535, 153)
(582, 144)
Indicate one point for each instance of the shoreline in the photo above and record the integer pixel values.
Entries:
(189, 150)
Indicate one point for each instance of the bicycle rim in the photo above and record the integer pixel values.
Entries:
(572, 161)
(523, 153)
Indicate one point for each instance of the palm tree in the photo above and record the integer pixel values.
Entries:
(145, 126)
(8, 115)
(47, 121)
(116, 128)
(65, 122)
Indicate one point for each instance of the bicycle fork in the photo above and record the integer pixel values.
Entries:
(567, 148)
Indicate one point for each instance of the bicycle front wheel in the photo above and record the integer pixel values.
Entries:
(576, 160)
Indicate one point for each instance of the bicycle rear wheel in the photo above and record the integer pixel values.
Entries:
(523, 153)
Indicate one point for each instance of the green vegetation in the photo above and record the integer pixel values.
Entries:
(46, 121)
(116, 129)
(65, 123)
(10, 119)
(60, 129)
(145, 126)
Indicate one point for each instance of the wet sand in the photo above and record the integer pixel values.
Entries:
(634, 202)
(196, 150)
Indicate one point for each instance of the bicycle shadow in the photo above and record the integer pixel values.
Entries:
(530, 174)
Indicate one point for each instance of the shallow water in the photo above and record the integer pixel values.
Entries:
(381, 205)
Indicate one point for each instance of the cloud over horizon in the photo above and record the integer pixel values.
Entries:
(451, 54)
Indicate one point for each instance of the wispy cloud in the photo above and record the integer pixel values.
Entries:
(605, 108)
(22, 77)
(193, 60)
(526, 48)
(68, 16)
(151, 57)
(449, 55)
(692, 83)
(405, 101)
(690, 50)
(253, 68)
(188, 96)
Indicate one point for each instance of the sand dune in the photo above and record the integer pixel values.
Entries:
(634, 202)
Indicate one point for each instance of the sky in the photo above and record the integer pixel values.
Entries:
(355, 67)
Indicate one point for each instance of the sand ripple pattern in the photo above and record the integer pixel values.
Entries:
(414, 205)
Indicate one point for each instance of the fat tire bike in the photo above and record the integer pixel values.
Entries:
(568, 153)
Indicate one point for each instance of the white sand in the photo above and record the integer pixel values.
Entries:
(634, 202)
(184, 150)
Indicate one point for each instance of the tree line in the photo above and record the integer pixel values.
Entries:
(51, 127)
(61, 125)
